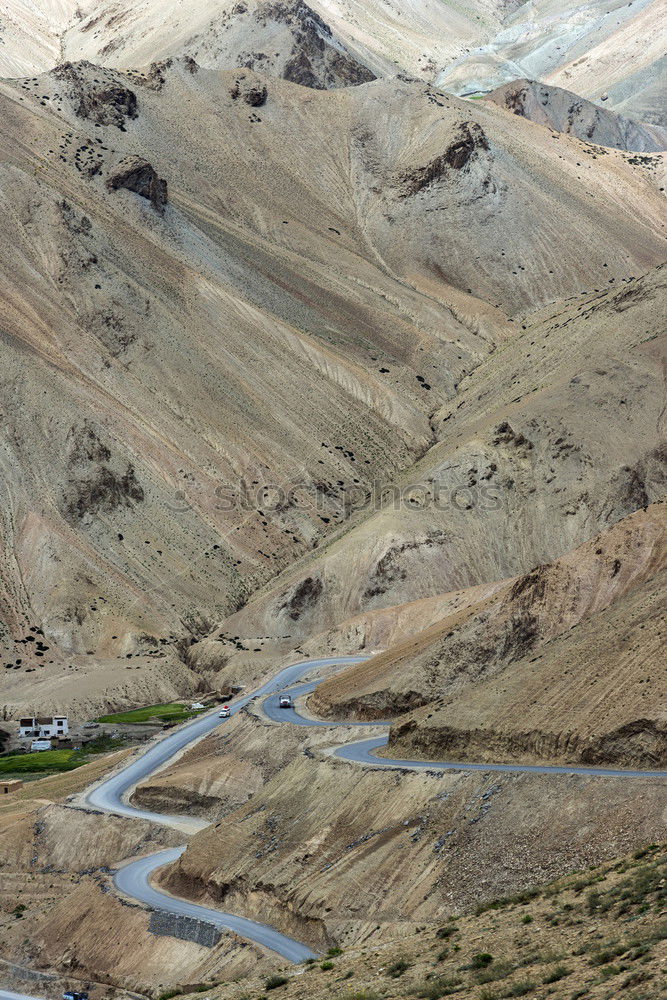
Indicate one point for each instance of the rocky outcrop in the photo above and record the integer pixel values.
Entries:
(567, 112)
(104, 490)
(137, 175)
(104, 101)
(640, 744)
(254, 94)
(96, 482)
(466, 144)
(180, 801)
(385, 704)
(304, 598)
(315, 60)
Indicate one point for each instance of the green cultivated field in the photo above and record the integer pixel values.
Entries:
(43, 762)
(171, 712)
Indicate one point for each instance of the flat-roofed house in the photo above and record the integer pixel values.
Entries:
(45, 727)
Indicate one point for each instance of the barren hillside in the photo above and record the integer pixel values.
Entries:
(606, 52)
(286, 311)
(566, 112)
(486, 631)
(333, 331)
(557, 436)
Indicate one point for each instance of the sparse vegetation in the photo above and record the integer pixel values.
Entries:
(481, 960)
(556, 974)
(585, 948)
(398, 968)
(273, 982)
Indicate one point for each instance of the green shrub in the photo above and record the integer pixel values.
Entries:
(527, 919)
(325, 966)
(605, 955)
(607, 971)
(496, 970)
(335, 951)
(555, 974)
(443, 986)
(273, 982)
(635, 979)
(520, 989)
(398, 968)
(481, 960)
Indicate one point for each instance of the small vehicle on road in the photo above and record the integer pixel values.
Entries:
(224, 712)
(285, 701)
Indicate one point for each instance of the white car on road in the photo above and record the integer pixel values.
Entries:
(225, 712)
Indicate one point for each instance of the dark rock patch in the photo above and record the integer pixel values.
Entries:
(315, 61)
(465, 146)
(137, 175)
(107, 103)
(306, 595)
(253, 94)
(103, 491)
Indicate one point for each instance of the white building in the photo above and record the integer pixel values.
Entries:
(45, 727)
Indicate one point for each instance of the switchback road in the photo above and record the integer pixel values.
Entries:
(113, 794)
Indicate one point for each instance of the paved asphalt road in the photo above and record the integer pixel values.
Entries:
(271, 707)
(112, 796)
(364, 752)
(6, 995)
(134, 880)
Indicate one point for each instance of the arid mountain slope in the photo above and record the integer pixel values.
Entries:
(591, 695)
(556, 437)
(286, 309)
(610, 50)
(286, 39)
(336, 853)
(540, 943)
(483, 632)
(564, 111)
(599, 50)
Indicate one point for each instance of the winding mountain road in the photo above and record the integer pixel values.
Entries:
(112, 795)
(134, 880)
